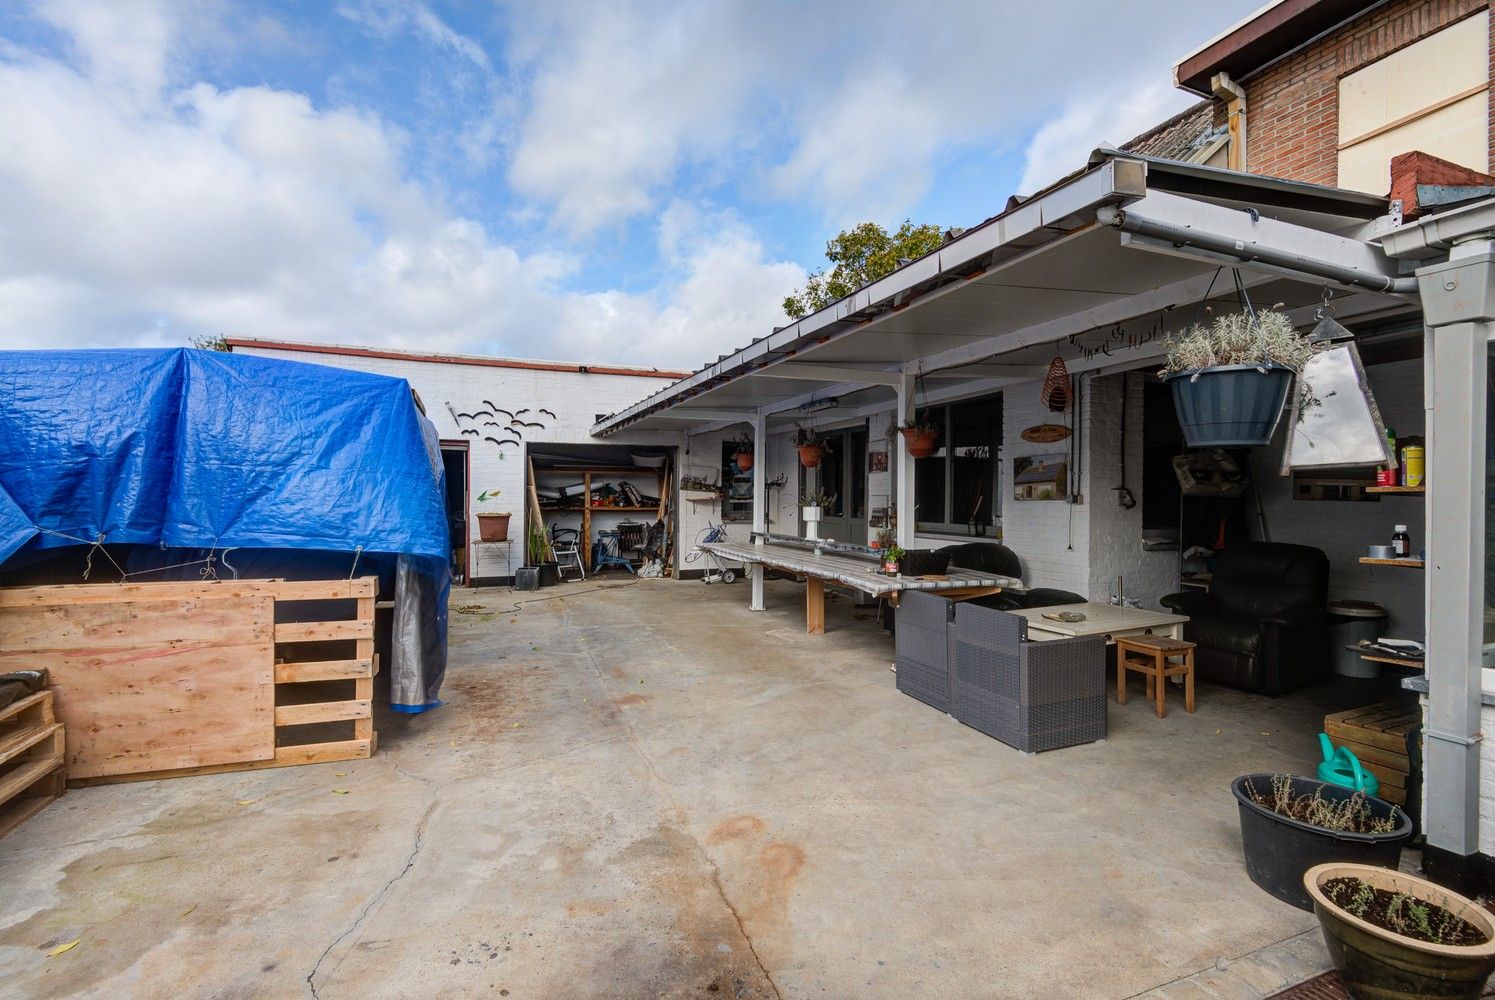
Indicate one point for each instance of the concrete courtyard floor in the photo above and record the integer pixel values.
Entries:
(645, 790)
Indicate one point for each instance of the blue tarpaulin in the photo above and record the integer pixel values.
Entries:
(198, 449)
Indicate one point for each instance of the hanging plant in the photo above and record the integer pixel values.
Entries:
(1230, 377)
(743, 455)
(921, 437)
(811, 446)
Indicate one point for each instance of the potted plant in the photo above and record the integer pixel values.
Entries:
(1289, 824)
(1230, 377)
(811, 446)
(1396, 935)
(920, 436)
(743, 456)
(493, 526)
(885, 538)
(548, 572)
(891, 556)
(812, 506)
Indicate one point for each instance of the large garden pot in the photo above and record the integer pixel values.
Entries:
(920, 443)
(1232, 406)
(493, 527)
(744, 460)
(1280, 849)
(1379, 964)
(811, 454)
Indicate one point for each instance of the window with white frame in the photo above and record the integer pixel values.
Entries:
(1431, 96)
(956, 488)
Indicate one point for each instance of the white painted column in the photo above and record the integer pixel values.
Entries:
(760, 501)
(904, 492)
(1456, 309)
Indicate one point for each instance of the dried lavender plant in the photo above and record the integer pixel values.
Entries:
(1238, 338)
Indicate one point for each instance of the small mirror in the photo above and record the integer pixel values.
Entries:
(1335, 421)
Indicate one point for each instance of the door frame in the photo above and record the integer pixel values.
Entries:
(466, 449)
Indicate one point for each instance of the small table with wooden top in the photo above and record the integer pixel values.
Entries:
(1152, 656)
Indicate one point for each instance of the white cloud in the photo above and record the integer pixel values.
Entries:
(390, 17)
(1089, 121)
(250, 211)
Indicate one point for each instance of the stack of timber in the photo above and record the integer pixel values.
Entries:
(31, 759)
(157, 680)
(1379, 735)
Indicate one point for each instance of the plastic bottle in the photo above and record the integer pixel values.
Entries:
(1401, 542)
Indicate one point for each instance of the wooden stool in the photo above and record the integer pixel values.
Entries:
(1155, 654)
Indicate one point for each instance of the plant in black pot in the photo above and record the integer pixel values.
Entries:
(1290, 823)
(1230, 377)
(539, 556)
(1394, 935)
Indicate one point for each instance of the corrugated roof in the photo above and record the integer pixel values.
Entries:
(1179, 137)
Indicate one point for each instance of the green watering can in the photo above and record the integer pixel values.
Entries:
(1342, 767)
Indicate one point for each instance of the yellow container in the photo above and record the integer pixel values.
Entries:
(1414, 465)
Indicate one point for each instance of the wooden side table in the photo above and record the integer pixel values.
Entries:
(1153, 656)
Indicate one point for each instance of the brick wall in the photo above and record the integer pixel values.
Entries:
(1293, 107)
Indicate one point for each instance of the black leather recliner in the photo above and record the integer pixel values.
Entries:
(1263, 626)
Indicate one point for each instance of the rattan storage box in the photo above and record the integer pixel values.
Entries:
(922, 645)
(1030, 695)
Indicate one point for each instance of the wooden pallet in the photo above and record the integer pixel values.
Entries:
(175, 679)
(1377, 734)
(31, 759)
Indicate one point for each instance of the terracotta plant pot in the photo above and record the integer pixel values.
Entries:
(920, 442)
(811, 454)
(1378, 964)
(744, 460)
(493, 527)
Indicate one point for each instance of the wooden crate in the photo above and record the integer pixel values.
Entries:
(31, 759)
(162, 680)
(1377, 734)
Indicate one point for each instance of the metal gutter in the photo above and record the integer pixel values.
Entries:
(1066, 207)
(1249, 252)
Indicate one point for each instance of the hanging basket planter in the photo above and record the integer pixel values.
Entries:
(810, 455)
(921, 442)
(744, 461)
(1230, 406)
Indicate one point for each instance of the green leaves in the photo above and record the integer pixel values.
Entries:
(860, 255)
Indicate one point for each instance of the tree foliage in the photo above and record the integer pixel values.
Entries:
(860, 255)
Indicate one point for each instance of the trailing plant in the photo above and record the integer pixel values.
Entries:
(817, 499)
(806, 435)
(1239, 338)
(1350, 815)
(920, 424)
(742, 443)
(886, 538)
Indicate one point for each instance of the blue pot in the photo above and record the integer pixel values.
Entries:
(1232, 406)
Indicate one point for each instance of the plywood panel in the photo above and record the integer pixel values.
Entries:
(153, 685)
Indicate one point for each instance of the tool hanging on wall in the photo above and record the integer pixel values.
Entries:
(1123, 492)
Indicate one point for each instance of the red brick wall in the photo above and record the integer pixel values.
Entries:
(1292, 107)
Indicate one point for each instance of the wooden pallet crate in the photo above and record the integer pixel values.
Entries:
(31, 759)
(173, 679)
(1377, 734)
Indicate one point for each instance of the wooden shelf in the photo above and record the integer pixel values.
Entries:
(32, 748)
(1403, 563)
(1397, 489)
(1409, 664)
(595, 510)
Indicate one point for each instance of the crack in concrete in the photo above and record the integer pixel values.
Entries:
(378, 897)
(631, 735)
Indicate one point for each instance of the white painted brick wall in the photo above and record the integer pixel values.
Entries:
(1052, 538)
(1344, 529)
(575, 397)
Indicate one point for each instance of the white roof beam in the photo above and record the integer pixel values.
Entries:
(828, 373)
(686, 413)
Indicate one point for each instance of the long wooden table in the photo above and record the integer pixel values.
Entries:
(858, 573)
(1102, 619)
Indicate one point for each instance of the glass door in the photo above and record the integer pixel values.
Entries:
(842, 475)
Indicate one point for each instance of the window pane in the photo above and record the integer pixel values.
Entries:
(929, 479)
(830, 478)
(858, 500)
(976, 437)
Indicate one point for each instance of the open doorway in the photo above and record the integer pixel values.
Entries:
(454, 461)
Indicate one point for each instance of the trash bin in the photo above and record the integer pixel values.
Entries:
(1354, 621)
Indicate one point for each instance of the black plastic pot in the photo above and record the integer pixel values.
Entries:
(1279, 850)
(549, 573)
(1231, 406)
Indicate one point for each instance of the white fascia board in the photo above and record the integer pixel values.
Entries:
(1116, 181)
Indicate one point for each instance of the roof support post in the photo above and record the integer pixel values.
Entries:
(1234, 96)
(905, 475)
(1459, 308)
(760, 500)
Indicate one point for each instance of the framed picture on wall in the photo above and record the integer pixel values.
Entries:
(877, 461)
(1040, 477)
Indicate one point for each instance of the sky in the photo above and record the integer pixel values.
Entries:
(621, 182)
